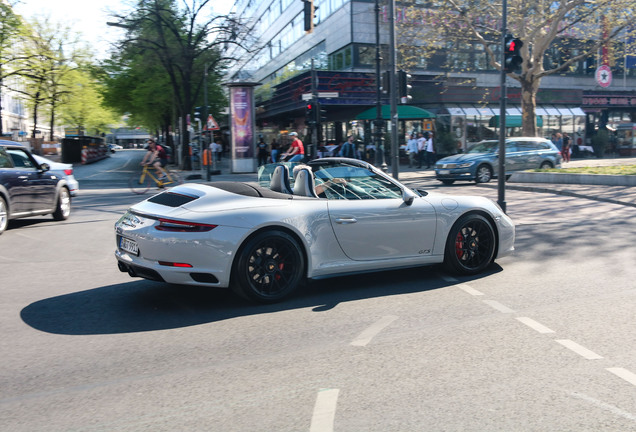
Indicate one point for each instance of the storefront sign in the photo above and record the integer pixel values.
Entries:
(604, 76)
(608, 101)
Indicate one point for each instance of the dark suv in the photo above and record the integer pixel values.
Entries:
(28, 188)
(481, 161)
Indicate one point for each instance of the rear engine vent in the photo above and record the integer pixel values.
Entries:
(171, 199)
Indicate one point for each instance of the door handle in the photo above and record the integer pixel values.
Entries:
(346, 221)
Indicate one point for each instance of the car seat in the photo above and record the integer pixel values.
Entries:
(304, 184)
(280, 180)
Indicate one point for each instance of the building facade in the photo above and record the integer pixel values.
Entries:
(457, 84)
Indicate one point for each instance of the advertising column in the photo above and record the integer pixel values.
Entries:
(242, 127)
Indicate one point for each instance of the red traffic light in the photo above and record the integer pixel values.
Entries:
(511, 46)
(309, 106)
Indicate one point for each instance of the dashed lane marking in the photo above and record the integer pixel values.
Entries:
(628, 376)
(470, 290)
(365, 337)
(324, 411)
(535, 325)
(498, 306)
(580, 350)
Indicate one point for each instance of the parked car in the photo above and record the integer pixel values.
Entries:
(114, 147)
(480, 163)
(28, 188)
(63, 170)
(341, 216)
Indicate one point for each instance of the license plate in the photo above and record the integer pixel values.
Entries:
(128, 245)
(444, 172)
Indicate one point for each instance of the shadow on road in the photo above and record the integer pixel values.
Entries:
(141, 306)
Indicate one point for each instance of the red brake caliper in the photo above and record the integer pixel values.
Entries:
(459, 245)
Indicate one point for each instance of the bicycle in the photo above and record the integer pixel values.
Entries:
(140, 184)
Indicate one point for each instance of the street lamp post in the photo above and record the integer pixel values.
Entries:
(378, 123)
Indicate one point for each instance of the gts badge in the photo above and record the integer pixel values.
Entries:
(424, 251)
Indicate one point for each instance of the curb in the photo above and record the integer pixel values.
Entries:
(578, 179)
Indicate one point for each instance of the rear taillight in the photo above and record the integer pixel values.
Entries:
(183, 226)
(68, 172)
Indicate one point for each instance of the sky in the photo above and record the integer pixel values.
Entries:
(87, 17)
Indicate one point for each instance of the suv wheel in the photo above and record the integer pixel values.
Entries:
(484, 174)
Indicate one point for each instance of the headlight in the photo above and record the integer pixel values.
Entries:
(465, 165)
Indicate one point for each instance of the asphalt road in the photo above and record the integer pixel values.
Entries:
(542, 342)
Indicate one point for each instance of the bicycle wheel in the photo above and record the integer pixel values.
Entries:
(173, 179)
(140, 184)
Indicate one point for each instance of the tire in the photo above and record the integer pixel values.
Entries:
(4, 215)
(63, 206)
(483, 174)
(470, 246)
(176, 179)
(448, 182)
(546, 165)
(268, 268)
(140, 187)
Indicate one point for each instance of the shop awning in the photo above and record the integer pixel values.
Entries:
(405, 112)
(512, 121)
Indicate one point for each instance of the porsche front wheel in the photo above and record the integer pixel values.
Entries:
(269, 267)
(470, 246)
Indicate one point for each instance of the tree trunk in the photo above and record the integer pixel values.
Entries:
(529, 89)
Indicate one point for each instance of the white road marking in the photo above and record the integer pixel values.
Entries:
(470, 290)
(498, 306)
(605, 406)
(324, 411)
(535, 325)
(365, 337)
(580, 350)
(628, 376)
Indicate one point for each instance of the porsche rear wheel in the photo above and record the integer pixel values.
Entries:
(470, 246)
(269, 267)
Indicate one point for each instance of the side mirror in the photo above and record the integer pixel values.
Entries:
(408, 196)
(45, 167)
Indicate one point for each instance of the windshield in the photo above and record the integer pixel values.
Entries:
(484, 147)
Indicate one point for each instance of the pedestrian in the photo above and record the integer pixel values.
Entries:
(565, 148)
(216, 149)
(412, 150)
(421, 149)
(262, 152)
(348, 149)
(559, 141)
(296, 151)
(430, 150)
(274, 151)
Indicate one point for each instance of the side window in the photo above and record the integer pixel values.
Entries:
(21, 159)
(5, 161)
(512, 147)
(526, 146)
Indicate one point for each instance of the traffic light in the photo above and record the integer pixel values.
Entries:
(322, 114)
(512, 53)
(404, 86)
(310, 112)
(309, 12)
(385, 83)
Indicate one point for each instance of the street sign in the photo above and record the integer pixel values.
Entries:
(325, 95)
(604, 76)
(211, 124)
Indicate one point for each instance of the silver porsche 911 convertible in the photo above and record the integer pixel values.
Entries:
(331, 217)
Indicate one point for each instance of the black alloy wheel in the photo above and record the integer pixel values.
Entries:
(269, 267)
(470, 246)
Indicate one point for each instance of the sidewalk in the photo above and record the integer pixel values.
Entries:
(564, 184)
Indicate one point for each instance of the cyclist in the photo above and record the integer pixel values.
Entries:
(157, 157)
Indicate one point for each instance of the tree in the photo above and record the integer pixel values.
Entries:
(183, 41)
(542, 26)
(10, 28)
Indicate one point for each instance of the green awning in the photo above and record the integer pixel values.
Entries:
(405, 112)
(512, 121)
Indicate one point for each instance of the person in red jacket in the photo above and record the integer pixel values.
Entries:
(296, 151)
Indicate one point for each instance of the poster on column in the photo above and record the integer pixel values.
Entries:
(242, 133)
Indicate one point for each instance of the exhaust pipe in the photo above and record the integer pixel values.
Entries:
(126, 269)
